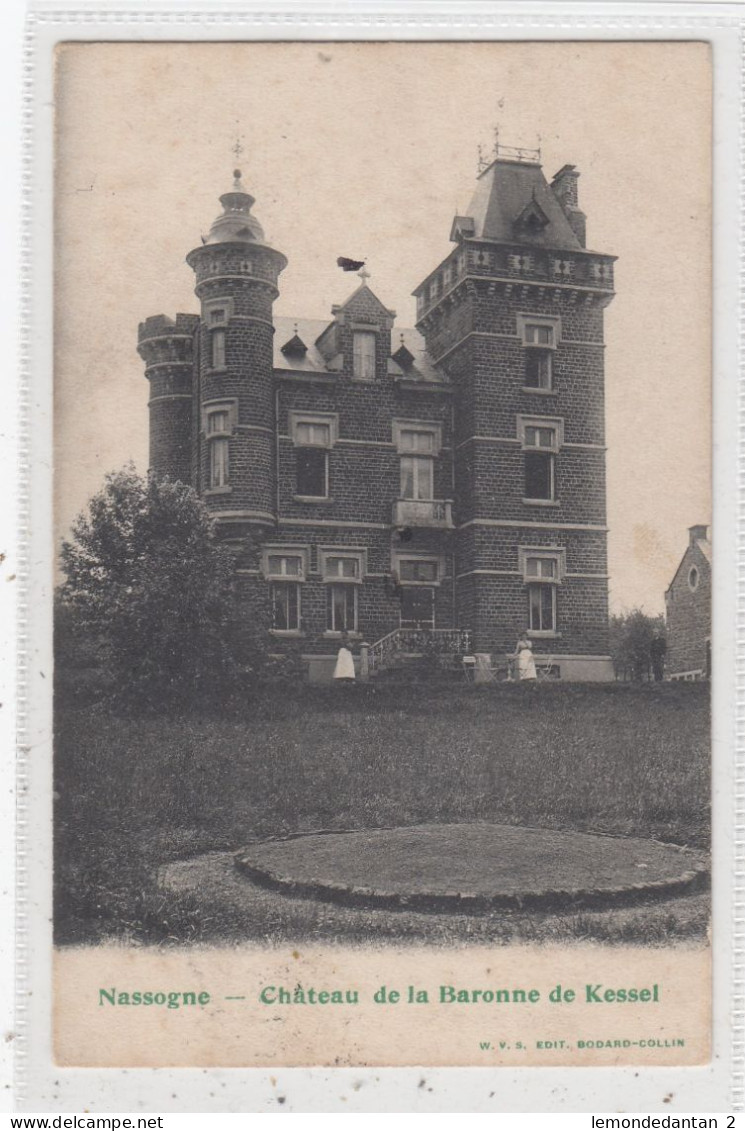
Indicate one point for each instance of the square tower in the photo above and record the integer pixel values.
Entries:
(514, 317)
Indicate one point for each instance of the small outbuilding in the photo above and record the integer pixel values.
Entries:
(688, 611)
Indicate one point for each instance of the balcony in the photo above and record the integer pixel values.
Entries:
(434, 513)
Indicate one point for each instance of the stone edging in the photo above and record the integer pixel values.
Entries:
(694, 879)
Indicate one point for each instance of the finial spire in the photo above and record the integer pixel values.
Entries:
(237, 150)
(364, 274)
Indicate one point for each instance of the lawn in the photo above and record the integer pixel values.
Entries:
(136, 794)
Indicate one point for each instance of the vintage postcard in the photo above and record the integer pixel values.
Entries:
(383, 543)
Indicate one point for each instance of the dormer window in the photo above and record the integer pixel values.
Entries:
(295, 346)
(363, 355)
(532, 218)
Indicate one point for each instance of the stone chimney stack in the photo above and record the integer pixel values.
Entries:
(697, 534)
(566, 192)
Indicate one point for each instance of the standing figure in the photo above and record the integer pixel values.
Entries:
(344, 670)
(525, 661)
(657, 650)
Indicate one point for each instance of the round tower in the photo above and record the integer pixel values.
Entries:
(167, 348)
(236, 284)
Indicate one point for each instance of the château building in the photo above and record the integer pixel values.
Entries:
(380, 480)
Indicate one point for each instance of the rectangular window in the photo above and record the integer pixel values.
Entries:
(311, 472)
(539, 475)
(417, 446)
(341, 608)
(363, 360)
(285, 601)
(540, 443)
(284, 565)
(218, 349)
(218, 422)
(417, 570)
(347, 568)
(217, 316)
(538, 369)
(540, 437)
(312, 434)
(219, 462)
(416, 440)
(542, 608)
(538, 335)
(417, 478)
(544, 569)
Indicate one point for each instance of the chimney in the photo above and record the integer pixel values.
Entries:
(697, 534)
(565, 190)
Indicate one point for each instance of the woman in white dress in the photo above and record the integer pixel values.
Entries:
(525, 660)
(344, 669)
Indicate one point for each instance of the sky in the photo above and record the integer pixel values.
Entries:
(368, 150)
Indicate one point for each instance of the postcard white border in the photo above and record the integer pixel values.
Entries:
(40, 1084)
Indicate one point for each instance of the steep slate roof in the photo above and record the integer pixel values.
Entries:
(310, 329)
(503, 191)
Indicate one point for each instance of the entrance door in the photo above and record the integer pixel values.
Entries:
(417, 607)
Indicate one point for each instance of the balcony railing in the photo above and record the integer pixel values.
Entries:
(435, 513)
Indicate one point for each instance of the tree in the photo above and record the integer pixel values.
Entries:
(631, 636)
(146, 575)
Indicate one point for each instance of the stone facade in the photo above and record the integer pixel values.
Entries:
(370, 477)
(688, 611)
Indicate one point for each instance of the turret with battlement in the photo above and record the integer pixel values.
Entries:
(166, 345)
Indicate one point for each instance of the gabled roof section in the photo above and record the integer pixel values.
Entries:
(506, 192)
(694, 552)
(366, 306)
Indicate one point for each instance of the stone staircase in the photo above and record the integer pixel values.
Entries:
(416, 651)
